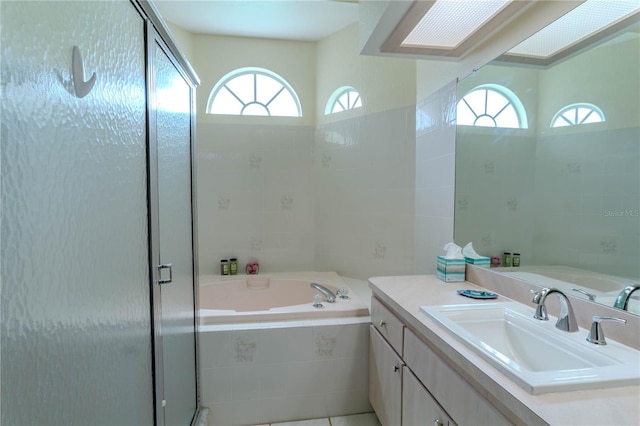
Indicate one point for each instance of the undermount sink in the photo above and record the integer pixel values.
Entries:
(534, 354)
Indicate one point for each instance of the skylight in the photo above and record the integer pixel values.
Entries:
(436, 29)
(590, 17)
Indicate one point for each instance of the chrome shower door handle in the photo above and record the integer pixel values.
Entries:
(165, 266)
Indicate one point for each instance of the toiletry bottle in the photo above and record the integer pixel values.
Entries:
(506, 259)
(224, 267)
(233, 266)
(516, 260)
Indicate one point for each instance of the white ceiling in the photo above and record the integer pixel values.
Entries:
(306, 20)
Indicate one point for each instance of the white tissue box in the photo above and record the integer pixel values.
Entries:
(481, 262)
(451, 270)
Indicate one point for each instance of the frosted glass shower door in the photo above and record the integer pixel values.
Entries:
(75, 315)
(170, 137)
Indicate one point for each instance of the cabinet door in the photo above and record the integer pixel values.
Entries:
(454, 393)
(418, 406)
(385, 380)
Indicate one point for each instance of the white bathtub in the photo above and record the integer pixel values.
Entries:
(268, 356)
(273, 297)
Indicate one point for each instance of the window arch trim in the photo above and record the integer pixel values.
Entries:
(576, 121)
(334, 99)
(509, 95)
(230, 76)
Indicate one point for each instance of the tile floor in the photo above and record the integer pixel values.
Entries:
(367, 419)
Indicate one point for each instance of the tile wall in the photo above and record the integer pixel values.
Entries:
(435, 142)
(255, 196)
(364, 196)
(495, 190)
(587, 200)
(565, 197)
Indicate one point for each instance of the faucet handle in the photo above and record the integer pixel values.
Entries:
(536, 295)
(596, 335)
(592, 297)
(541, 309)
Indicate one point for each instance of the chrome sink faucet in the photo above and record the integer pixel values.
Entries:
(622, 301)
(330, 296)
(566, 318)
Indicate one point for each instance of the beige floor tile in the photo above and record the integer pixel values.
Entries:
(367, 419)
(313, 422)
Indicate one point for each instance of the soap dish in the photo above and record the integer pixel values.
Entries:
(477, 294)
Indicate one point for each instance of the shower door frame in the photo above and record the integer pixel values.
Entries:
(157, 33)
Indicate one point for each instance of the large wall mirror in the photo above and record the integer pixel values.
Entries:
(548, 158)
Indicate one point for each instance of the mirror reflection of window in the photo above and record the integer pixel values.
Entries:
(254, 91)
(577, 114)
(491, 105)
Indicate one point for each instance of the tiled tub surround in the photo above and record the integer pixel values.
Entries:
(274, 297)
(275, 371)
(282, 371)
(405, 294)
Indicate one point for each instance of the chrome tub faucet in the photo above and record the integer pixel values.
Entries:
(328, 294)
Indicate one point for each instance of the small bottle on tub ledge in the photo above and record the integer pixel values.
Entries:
(224, 267)
(233, 266)
(252, 268)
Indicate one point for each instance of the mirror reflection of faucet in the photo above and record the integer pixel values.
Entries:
(622, 301)
(592, 297)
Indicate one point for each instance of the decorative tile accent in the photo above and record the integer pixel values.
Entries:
(325, 345)
(255, 244)
(245, 349)
(286, 202)
(255, 161)
(574, 167)
(489, 167)
(223, 202)
(379, 251)
(463, 203)
(608, 246)
(486, 240)
(326, 161)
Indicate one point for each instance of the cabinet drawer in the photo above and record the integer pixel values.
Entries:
(463, 403)
(387, 324)
(418, 406)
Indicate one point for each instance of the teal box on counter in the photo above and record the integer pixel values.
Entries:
(481, 262)
(451, 270)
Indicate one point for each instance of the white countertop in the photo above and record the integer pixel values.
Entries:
(405, 294)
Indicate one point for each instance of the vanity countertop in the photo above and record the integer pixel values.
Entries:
(405, 294)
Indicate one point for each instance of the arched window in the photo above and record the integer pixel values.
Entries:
(254, 91)
(576, 114)
(343, 99)
(491, 105)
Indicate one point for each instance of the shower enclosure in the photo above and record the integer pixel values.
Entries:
(97, 250)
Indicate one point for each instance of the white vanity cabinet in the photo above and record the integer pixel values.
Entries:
(410, 385)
